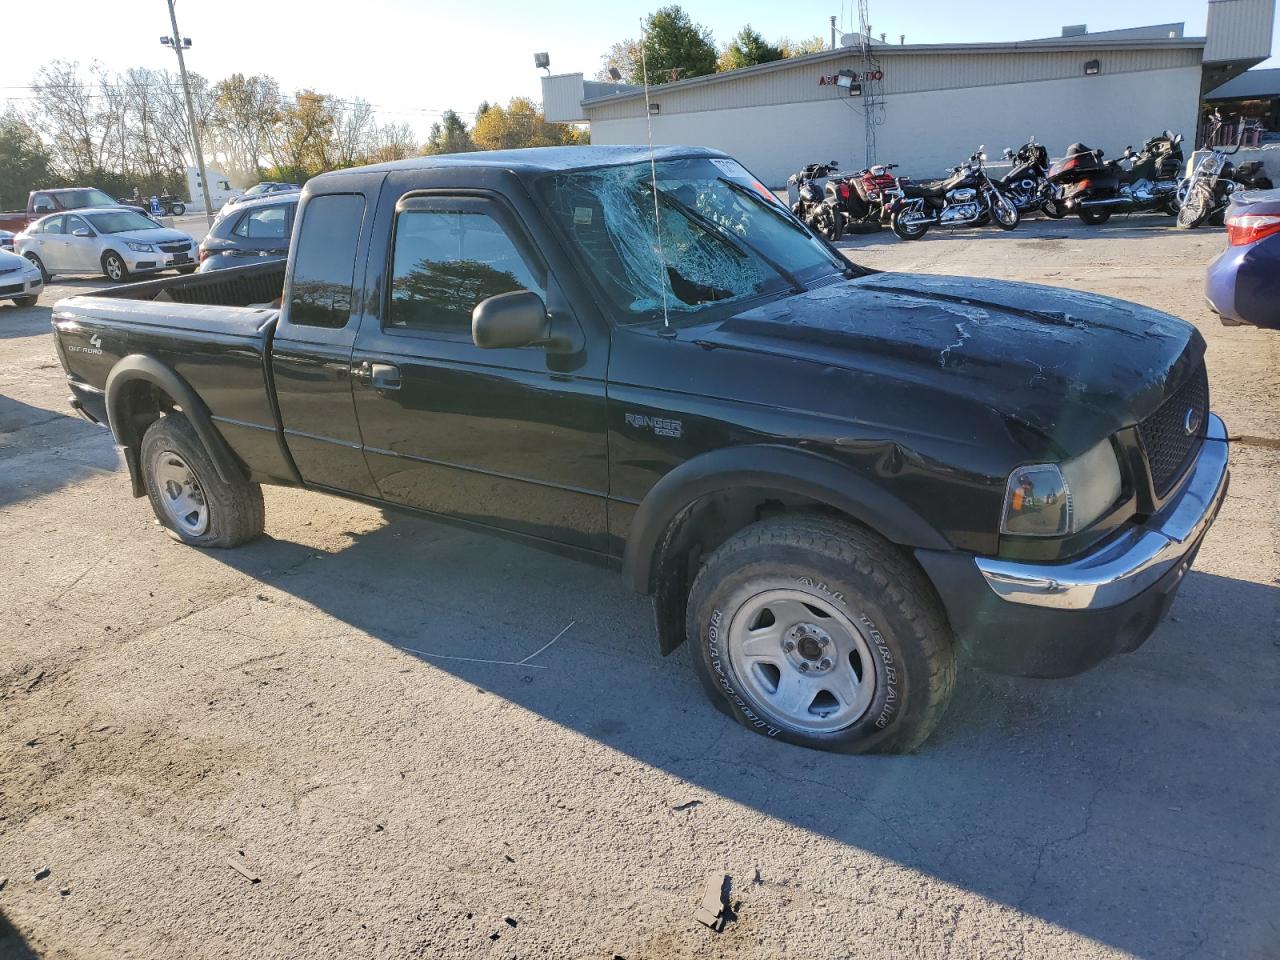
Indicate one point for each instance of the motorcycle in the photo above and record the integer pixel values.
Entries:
(866, 209)
(821, 209)
(1094, 189)
(968, 197)
(1205, 195)
(1027, 184)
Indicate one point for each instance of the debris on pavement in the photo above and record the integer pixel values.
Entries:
(511, 921)
(41, 873)
(687, 805)
(712, 910)
(240, 867)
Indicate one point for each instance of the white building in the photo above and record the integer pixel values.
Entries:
(928, 106)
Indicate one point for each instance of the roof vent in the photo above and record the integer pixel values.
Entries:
(1075, 30)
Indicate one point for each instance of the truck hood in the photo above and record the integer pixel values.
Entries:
(1073, 367)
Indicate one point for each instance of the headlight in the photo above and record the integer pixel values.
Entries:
(140, 247)
(1054, 500)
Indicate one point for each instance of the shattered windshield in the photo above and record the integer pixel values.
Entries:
(721, 236)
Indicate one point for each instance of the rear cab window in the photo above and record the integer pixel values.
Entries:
(324, 262)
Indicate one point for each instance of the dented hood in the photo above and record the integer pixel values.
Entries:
(1074, 367)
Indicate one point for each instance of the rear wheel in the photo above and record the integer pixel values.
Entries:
(114, 268)
(1094, 218)
(908, 225)
(178, 209)
(190, 500)
(186, 270)
(820, 633)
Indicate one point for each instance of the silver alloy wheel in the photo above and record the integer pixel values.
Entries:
(115, 269)
(180, 494)
(801, 660)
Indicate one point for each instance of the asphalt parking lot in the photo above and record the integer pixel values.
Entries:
(427, 743)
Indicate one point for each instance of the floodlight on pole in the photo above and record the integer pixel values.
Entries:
(179, 43)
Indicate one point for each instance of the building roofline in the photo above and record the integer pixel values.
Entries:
(881, 50)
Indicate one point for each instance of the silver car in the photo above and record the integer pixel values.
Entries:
(105, 240)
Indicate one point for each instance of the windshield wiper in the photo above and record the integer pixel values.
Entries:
(733, 239)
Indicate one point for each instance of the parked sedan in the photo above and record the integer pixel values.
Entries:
(108, 240)
(1243, 284)
(6, 240)
(256, 231)
(20, 280)
(264, 189)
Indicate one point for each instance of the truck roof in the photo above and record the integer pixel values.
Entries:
(538, 159)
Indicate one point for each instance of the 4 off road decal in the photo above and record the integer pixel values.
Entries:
(95, 346)
(717, 664)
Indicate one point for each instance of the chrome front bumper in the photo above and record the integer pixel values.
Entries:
(1124, 566)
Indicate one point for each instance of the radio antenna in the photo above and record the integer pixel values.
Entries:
(653, 174)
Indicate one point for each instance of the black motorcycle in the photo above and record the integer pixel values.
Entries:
(967, 198)
(1203, 197)
(1094, 188)
(821, 208)
(1027, 184)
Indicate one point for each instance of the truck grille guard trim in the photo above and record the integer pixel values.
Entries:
(1131, 562)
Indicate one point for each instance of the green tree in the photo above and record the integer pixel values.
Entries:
(449, 134)
(746, 50)
(675, 47)
(798, 48)
(521, 124)
(25, 161)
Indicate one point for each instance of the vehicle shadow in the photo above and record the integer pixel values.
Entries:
(13, 945)
(1134, 805)
(72, 450)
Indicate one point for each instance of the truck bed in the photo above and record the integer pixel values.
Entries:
(213, 330)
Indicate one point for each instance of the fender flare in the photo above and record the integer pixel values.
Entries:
(137, 367)
(770, 466)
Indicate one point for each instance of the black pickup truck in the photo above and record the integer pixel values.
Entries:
(833, 481)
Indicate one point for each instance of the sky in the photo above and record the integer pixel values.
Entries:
(413, 59)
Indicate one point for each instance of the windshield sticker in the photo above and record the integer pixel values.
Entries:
(582, 215)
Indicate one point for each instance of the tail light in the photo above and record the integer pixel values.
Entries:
(1243, 229)
(843, 190)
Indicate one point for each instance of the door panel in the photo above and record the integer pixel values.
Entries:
(311, 350)
(49, 246)
(79, 253)
(511, 438)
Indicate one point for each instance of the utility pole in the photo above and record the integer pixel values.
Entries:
(178, 43)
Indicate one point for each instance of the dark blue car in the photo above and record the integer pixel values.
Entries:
(255, 231)
(1243, 283)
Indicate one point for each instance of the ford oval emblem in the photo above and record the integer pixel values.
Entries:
(1192, 422)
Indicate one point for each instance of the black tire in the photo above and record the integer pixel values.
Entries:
(178, 209)
(186, 270)
(1053, 209)
(851, 572)
(1093, 218)
(45, 275)
(831, 224)
(234, 511)
(113, 267)
(903, 231)
(26, 301)
(1005, 212)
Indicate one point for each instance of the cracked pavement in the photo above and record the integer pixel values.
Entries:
(319, 708)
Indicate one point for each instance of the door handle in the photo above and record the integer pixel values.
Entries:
(385, 376)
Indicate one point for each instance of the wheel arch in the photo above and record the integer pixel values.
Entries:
(704, 501)
(139, 390)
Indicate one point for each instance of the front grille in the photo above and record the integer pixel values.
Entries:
(176, 247)
(1168, 446)
(12, 288)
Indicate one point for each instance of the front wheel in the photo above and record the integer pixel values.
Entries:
(178, 209)
(1004, 212)
(907, 225)
(1053, 209)
(186, 270)
(190, 500)
(1195, 208)
(820, 633)
(25, 301)
(114, 268)
(1093, 218)
(45, 275)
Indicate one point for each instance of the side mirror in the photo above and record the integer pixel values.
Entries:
(84, 233)
(515, 319)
